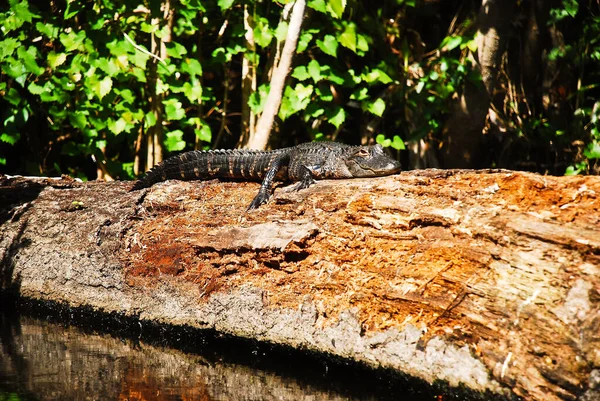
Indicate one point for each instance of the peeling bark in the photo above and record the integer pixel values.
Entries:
(489, 280)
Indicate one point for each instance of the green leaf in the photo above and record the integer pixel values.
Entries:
(35, 88)
(451, 42)
(204, 133)
(377, 107)
(149, 119)
(175, 50)
(377, 75)
(300, 73)
(317, 5)
(336, 7)
(78, 120)
(192, 67)
(281, 31)
(225, 4)
(173, 109)
(48, 30)
(337, 116)
(361, 44)
(314, 70)
(294, 100)
(116, 127)
(571, 170)
(7, 47)
(328, 45)
(571, 7)
(174, 141)
(398, 143)
(257, 99)
(73, 8)
(72, 41)
(22, 12)
(29, 57)
(348, 37)
(108, 66)
(262, 33)
(11, 139)
(102, 88)
(592, 151)
(304, 41)
(56, 59)
(383, 141)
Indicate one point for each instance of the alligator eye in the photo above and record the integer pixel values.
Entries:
(363, 152)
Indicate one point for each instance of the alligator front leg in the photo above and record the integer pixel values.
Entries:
(306, 179)
(264, 193)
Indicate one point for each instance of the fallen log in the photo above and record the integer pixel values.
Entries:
(485, 279)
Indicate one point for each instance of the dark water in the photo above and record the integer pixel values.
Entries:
(68, 355)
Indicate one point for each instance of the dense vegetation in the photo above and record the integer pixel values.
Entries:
(98, 88)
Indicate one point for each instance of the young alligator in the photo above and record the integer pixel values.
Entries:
(304, 163)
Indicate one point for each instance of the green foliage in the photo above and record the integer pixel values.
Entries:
(82, 75)
(78, 86)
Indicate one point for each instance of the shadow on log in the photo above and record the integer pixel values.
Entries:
(486, 279)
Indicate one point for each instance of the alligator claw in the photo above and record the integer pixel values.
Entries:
(260, 198)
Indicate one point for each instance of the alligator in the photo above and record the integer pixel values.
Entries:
(302, 163)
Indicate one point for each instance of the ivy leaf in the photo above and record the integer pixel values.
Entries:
(29, 57)
(56, 59)
(304, 41)
(383, 141)
(101, 88)
(281, 31)
(314, 70)
(175, 50)
(377, 75)
(7, 47)
(592, 151)
(174, 141)
(300, 73)
(337, 117)
(204, 133)
(348, 37)
(72, 41)
(377, 107)
(571, 6)
(258, 99)
(397, 143)
(336, 7)
(173, 109)
(225, 4)
(78, 120)
(35, 88)
(328, 45)
(451, 42)
(262, 34)
(116, 127)
(149, 119)
(317, 5)
(192, 67)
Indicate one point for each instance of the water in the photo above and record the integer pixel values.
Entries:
(43, 358)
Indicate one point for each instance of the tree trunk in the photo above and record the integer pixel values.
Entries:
(265, 123)
(489, 280)
(158, 48)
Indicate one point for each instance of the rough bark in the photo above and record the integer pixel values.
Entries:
(490, 280)
(463, 139)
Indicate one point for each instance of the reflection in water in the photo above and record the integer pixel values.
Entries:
(41, 360)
